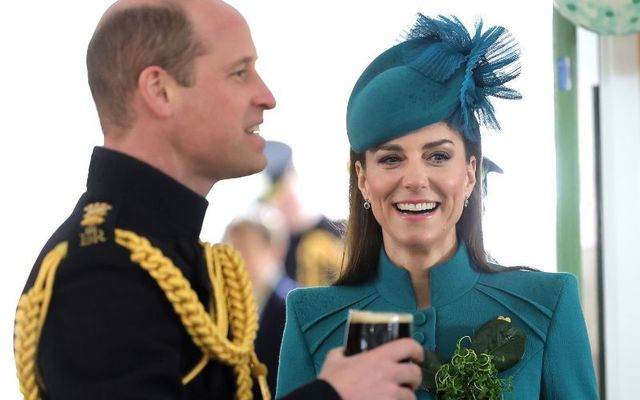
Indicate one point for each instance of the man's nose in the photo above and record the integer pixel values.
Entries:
(264, 98)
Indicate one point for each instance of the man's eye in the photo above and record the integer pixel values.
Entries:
(242, 74)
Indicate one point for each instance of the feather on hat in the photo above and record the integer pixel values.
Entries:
(438, 73)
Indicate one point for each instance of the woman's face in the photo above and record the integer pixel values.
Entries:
(417, 185)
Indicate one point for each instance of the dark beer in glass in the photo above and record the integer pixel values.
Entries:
(369, 329)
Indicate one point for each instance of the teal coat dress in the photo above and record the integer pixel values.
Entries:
(557, 360)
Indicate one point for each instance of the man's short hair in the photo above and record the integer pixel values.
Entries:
(127, 42)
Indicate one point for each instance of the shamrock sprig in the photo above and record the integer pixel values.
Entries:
(473, 371)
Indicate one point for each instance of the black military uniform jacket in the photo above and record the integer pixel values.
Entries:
(110, 332)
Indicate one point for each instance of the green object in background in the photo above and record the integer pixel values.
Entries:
(607, 17)
(567, 160)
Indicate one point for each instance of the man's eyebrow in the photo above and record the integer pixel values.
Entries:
(242, 61)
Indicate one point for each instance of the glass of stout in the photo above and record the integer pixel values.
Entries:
(369, 329)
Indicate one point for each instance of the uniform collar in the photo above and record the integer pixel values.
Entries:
(448, 281)
(147, 199)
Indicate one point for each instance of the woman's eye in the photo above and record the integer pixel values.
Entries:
(440, 157)
(390, 159)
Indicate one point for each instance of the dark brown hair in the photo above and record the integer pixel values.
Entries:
(127, 42)
(364, 236)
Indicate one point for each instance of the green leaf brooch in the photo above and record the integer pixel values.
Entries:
(473, 370)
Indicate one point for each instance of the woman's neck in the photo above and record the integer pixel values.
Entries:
(418, 262)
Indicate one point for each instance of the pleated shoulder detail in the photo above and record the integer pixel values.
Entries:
(321, 311)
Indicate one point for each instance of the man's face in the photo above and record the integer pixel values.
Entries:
(220, 113)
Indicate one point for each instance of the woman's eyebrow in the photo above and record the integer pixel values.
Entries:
(436, 143)
(397, 147)
(388, 147)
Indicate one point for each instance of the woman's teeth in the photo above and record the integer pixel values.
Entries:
(254, 130)
(416, 207)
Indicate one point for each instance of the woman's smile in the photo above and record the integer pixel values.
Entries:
(416, 210)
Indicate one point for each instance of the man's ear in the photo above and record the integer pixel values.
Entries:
(154, 87)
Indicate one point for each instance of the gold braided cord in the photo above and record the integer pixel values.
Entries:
(209, 332)
(219, 303)
(30, 317)
(239, 294)
(195, 371)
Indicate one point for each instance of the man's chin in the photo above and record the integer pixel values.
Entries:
(260, 165)
(250, 170)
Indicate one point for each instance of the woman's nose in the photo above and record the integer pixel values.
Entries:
(416, 177)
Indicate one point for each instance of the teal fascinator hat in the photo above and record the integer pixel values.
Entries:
(438, 73)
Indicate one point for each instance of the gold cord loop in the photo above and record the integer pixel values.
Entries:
(234, 308)
(30, 317)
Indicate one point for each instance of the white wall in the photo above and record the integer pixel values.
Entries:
(620, 143)
(310, 54)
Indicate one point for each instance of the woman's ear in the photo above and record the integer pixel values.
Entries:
(362, 180)
(471, 175)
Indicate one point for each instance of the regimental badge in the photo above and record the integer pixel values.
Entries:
(94, 215)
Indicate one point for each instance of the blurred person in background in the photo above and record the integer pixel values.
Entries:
(313, 257)
(488, 166)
